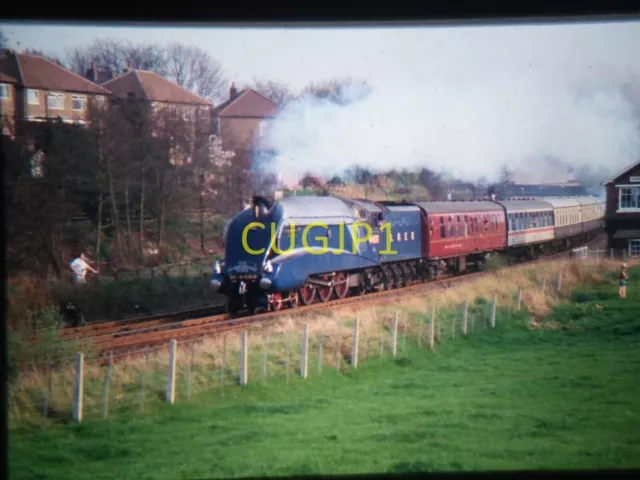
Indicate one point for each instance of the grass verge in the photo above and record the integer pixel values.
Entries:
(553, 386)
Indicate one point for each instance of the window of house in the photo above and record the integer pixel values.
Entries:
(33, 97)
(189, 113)
(634, 247)
(78, 101)
(5, 90)
(629, 197)
(55, 101)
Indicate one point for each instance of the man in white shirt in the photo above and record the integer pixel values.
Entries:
(79, 267)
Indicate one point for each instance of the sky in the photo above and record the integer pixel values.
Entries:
(466, 99)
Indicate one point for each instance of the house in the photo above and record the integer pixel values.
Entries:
(243, 119)
(622, 214)
(34, 89)
(165, 98)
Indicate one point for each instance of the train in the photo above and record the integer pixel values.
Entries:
(302, 250)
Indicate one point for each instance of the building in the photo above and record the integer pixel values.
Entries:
(168, 101)
(34, 89)
(243, 119)
(622, 214)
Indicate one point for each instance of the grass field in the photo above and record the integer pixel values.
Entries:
(562, 394)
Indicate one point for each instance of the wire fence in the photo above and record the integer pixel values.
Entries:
(283, 352)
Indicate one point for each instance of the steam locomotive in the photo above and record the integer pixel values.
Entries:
(308, 249)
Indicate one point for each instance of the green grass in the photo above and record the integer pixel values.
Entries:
(513, 398)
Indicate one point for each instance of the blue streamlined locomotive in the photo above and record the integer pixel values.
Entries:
(306, 249)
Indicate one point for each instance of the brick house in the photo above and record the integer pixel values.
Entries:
(242, 122)
(622, 216)
(34, 89)
(168, 101)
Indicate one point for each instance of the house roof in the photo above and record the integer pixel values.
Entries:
(151, 86)
(622, 172)
(31, 71)
(247, 103)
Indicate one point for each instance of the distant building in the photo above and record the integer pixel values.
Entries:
(622, 215)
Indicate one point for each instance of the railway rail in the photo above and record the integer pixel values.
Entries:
(147, 336)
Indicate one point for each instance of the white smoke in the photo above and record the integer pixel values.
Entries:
(540, 128)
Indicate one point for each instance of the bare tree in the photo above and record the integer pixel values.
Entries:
(4, 41)
(338, 90)
(196, 70)
(276, 91)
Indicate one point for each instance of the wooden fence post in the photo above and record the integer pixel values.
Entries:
(304, 354)
(170, 393)
(559, 282)
(320, 346)
(78, 394)
(244, 358)
(465, 317)
(356, 338)
(494, 304)
(432, 326)
(189, 368)
(519, 300)
(107, 381)
(419, 331)
(394, 335)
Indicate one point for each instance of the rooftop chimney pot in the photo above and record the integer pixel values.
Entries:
(233, 91)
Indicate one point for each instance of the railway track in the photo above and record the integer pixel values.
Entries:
(146, 336)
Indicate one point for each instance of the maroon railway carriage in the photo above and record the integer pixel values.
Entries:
(461, 233)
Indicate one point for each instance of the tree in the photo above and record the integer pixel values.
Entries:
(275, 91)
(116, 56)
(338, 90)
(4, 41)
(196, 70)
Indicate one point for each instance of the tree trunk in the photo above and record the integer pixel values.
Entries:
(114, 207)
(127, 211)
(202, 239)
(99, 239)
(142, 193)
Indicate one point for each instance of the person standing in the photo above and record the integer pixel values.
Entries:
(623, 279)
(79, 267)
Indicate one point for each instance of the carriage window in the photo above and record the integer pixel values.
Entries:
(452, 228)
(399, 236)
(413, 236)
(431, 228)
(443, 228)
(406, 236)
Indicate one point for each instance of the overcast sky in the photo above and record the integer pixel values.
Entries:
(473, 97)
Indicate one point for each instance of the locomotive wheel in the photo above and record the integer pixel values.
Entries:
(293, 300)
(341, 286)
(307, 294)
(325, 293)
(277, 303)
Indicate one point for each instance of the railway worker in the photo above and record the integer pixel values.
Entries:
(79, 267)
(623, 278)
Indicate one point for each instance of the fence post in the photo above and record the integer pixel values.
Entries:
(320, 345)
(465, 317)
(394, 335)
(494, 302)
(432, 326)
(170, 393)
(78, 394)
(244, 354)
(304, 354)
(519, 301)
(265, 356)
(611, 254)
(189, 368)
(559, 282)
(419, 331)
(356, 338)
(544, 285)
(107, 381)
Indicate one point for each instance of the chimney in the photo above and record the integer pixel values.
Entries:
(233, 91)
(91, 73)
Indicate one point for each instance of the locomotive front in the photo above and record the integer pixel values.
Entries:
(248, 240)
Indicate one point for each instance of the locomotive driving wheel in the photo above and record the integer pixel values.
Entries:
(325, 293)
(341, 285)
(307, 294)
(276, 301)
